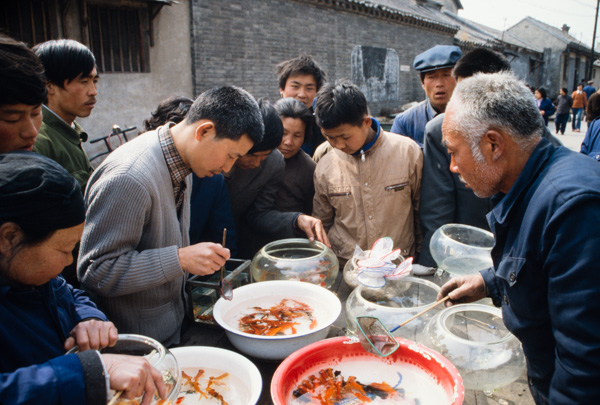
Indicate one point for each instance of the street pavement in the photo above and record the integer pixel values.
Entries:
(570, 139)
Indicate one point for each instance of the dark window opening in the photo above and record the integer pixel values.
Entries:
(116, 38)
(26, 21)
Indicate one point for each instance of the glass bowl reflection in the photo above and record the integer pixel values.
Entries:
(474, 338)
(296, 259)
(393, 304)
(462, 249)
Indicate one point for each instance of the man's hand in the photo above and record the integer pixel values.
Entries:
(463, 289)
(312, 227)
(203, 258)
(135, 377)
(92, 334)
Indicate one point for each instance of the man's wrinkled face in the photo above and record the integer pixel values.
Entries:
(439, 85)
(476, 173)
(19, 126)
(301, 87)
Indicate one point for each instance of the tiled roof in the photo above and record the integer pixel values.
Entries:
(555, 32)
(403, 11)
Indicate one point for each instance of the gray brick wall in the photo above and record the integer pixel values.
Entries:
(240, 42)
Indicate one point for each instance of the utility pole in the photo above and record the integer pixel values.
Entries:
(592, 59)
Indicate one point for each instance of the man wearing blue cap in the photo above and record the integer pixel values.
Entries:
(435, 67)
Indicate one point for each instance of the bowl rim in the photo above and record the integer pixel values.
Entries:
(305, 241)
(443, 315)
(217, 309)
(489, 234)
(427, 283)
(278, 377)
(255, 373)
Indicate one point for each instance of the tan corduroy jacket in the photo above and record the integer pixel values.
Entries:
(360, 202)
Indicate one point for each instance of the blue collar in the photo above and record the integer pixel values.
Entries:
(376, 126)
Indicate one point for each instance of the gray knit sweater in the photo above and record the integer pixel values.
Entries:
(128, 260)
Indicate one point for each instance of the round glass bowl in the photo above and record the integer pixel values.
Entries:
(350, 271)
(393, 304)
(157, 355)
(462, 249)
(474, 338)
(295, 259)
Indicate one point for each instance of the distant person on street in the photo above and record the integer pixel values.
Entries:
(579, 105)
(589, 88)
(545, 223)
(564, 103)
(544, 104)
(435, 69)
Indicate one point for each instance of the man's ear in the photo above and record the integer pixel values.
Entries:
(203, 130)
(493, 144)
(10, 236)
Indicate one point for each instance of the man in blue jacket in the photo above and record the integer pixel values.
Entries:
(545, 222)
(435, 69)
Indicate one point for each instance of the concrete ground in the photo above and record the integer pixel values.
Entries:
(570, 139)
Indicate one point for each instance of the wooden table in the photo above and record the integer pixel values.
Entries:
(516, 393)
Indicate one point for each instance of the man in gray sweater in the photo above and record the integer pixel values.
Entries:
(135, 254)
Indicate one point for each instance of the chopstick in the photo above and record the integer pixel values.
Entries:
(114, 399)
(223, 244)
(435, 304)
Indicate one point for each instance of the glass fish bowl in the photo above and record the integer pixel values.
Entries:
(295, 259)
(393, 304)
(462, 249)
(157, 355)
(350, 271)
(474, 338)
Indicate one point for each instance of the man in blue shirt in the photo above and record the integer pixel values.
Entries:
(435, 67)
(545, 222)
(589, 89)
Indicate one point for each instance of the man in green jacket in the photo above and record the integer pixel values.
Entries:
(71, 81)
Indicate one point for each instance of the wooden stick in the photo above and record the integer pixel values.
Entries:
(114, 399)
(435, 304)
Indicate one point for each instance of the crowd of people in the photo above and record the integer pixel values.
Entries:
(80, 247)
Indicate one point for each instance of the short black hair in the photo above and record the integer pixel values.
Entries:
(302, 65)
(480, 60)
(289, 107)
(22, 79)
(340, 103)
(565, 90)
(233, 111)
(542, 91)
(65, 60)
(273, 128)
(173, 109)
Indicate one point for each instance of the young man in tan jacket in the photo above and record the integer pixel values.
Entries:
(368, 186)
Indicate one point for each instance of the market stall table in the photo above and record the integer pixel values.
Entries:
(516, 393)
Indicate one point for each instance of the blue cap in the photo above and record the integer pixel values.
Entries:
(438, 57)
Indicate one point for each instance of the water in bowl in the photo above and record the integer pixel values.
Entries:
(232, 389)
(413, 382)
(466, 265)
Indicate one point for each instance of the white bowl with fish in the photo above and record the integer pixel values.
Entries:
(212, 376)
(272, 319)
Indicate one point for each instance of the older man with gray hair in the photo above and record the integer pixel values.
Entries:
(546, 223)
